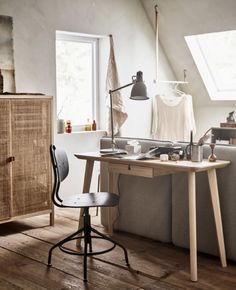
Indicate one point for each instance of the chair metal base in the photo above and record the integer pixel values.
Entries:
(87, 229)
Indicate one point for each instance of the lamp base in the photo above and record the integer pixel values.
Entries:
(113, 151)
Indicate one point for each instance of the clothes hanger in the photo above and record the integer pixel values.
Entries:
(178, 91)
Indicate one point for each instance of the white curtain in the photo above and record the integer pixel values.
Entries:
(112, 82)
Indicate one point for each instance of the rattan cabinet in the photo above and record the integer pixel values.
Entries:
(25, 167)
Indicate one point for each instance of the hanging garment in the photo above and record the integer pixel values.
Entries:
(112, 82)
(173, 118)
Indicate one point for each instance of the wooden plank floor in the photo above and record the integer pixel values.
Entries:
(24, 248)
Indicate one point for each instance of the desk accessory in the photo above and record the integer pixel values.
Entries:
(133, 147)
(196, 153)
(205, 137)
(212, 157)
(167, 149)
(164, 157)
(188, 147)
(151, 154)
(175, 157)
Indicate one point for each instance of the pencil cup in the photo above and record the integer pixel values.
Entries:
(196, 153)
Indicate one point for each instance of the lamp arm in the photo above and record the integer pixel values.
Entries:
(120, 88)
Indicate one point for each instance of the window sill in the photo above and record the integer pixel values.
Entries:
(85, 132)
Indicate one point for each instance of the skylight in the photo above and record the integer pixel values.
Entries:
(215, 58)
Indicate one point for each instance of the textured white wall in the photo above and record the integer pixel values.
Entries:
(34, 26)
(179, 18)
(35, 23)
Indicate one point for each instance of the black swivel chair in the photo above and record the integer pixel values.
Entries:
(83, 201)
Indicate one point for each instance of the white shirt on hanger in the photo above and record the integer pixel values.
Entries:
(173, 118)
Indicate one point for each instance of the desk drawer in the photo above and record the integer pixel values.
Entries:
(128, 169)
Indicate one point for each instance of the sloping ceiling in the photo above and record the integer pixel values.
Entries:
(178, 18)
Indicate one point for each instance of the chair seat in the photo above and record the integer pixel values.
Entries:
(93, 199)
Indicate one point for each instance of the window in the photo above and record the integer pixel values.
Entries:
(76, 72)
(215, 57)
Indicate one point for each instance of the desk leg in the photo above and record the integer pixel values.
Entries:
(88, 175)
(86, 188)
(212, 179)
(192, 225)
(110, 209)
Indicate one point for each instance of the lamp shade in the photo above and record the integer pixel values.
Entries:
(139, 90)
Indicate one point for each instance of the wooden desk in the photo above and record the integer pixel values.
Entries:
(155, 167)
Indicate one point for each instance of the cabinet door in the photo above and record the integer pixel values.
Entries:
(5, 185)
(31, 170)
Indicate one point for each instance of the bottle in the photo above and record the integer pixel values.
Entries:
(68, 127)
(88, 126)
(1, 82)
(60, 126)
(94, 126)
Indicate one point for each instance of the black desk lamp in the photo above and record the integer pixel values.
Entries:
(138, 92)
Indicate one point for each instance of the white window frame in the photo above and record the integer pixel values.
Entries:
(202, 64)
(94, 40)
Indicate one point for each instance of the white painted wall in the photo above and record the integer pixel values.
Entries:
(179, 18)
(35, 23)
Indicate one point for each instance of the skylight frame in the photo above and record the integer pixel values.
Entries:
(205, 71)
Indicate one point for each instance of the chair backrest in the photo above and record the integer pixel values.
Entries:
(60, 166)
